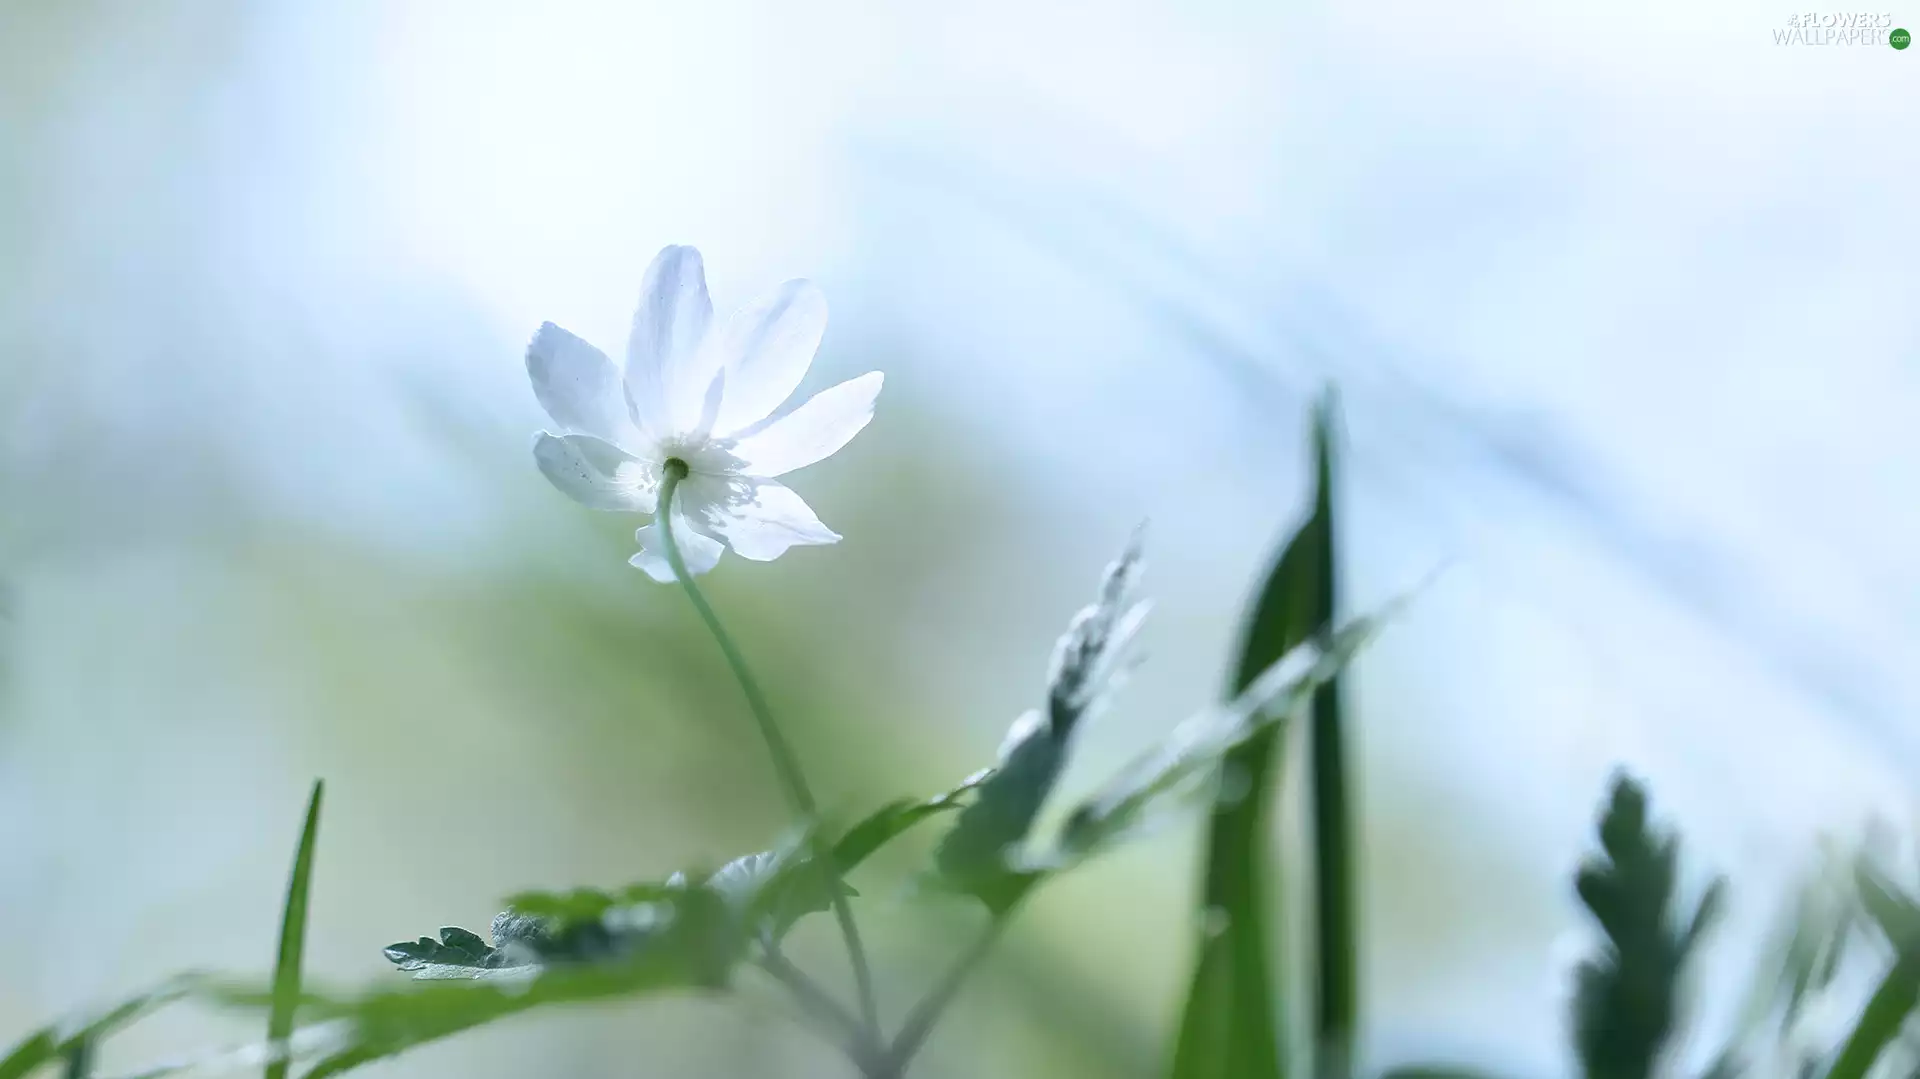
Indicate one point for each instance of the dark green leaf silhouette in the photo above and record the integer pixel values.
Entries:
(1626, 999)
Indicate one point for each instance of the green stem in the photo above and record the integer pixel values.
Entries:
(921, 1021)
(819, 1005)
(785, 762)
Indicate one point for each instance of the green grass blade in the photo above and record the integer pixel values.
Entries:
(36, 1049)
(1898, 997)
(80, 1058)
(53, 1042)
(293, 939)
(1336, 1003)
(1230, 1025)
(1886, 1013)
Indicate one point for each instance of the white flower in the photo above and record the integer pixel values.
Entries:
(704, 395)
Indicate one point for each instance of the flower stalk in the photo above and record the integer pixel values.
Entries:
(927, 1014)
(786, 763)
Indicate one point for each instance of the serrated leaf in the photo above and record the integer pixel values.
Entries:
(1230, 1027)
(765, 893)
(1195, 751)
(539, 930)
(693, 945)
(293, 933)
(457, 954)
(1626, 998)
(771, 890)
(977, 855)
(584, 905)
(51, 1043)
(589, 925)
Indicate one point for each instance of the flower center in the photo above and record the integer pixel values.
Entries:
(693, 457)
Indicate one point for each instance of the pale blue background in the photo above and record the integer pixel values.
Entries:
(1619, 298)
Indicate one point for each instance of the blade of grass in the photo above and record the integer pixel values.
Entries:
(1898, 996)
(33, 1051)
(1230, 1026)
(1886, 1013)
(80, 1058)
(1337, 957)
(51, 1043)
(293, 939)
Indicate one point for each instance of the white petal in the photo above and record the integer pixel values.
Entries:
(768, 521)
(576, 383)
(813, 431)
(767, 347)
(710, 407)
(698, 550)
(596, 473)
(664, 349)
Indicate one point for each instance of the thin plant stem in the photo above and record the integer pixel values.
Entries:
(785, 762)
(926, 1014)
(819, 1004)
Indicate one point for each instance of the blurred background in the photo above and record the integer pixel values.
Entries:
(1619, 300)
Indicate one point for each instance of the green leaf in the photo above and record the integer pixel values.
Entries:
(1896, 915)
(1336, 1001)
(1800, 962)
(892, 820)
(1230, 1026)
(691, 941)
(38, 1048)
(80, 1059)
(765, 892)
(459, 953)
(53, 1042)
(1819, 935)
(543, 930)
(293, 934)
(1886, 1014)
(1626, 999)
(384, 1023)
(1728, 1065)
(1194, 753)
(582, 905)
(586, 925)
(771, 890)
(1898, 996)
(979, 856)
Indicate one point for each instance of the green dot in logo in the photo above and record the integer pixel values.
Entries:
(1900, 39)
